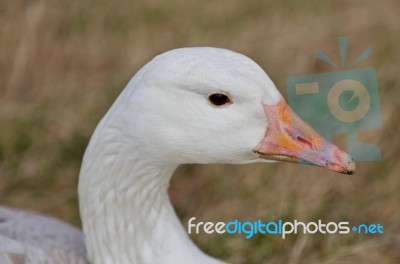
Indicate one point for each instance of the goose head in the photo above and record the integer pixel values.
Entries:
(190, 105)
(211, 105)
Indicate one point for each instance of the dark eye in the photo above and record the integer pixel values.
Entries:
(219, 99)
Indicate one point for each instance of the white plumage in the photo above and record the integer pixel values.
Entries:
(163, 118)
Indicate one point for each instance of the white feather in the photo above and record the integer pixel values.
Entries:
(163, 118)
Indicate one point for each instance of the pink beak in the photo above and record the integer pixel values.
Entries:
(288, 138)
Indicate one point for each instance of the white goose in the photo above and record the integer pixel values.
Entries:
(190, 105)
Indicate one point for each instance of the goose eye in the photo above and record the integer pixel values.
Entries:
(219, 99)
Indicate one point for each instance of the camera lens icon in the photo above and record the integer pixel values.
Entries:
(344, 95)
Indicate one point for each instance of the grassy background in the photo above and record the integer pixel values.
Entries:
(62, 63)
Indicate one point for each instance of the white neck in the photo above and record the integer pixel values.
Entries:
(126, 212)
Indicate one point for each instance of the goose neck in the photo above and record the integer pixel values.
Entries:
(126, 213)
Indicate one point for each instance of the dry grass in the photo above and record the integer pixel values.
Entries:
(62, 63)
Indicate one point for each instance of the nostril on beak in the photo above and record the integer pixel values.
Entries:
(304, 141)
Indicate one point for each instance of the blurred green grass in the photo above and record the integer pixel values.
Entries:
(62, 63)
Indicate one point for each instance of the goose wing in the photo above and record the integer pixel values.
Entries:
(27, 237)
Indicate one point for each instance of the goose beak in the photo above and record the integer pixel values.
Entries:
(288, 138)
